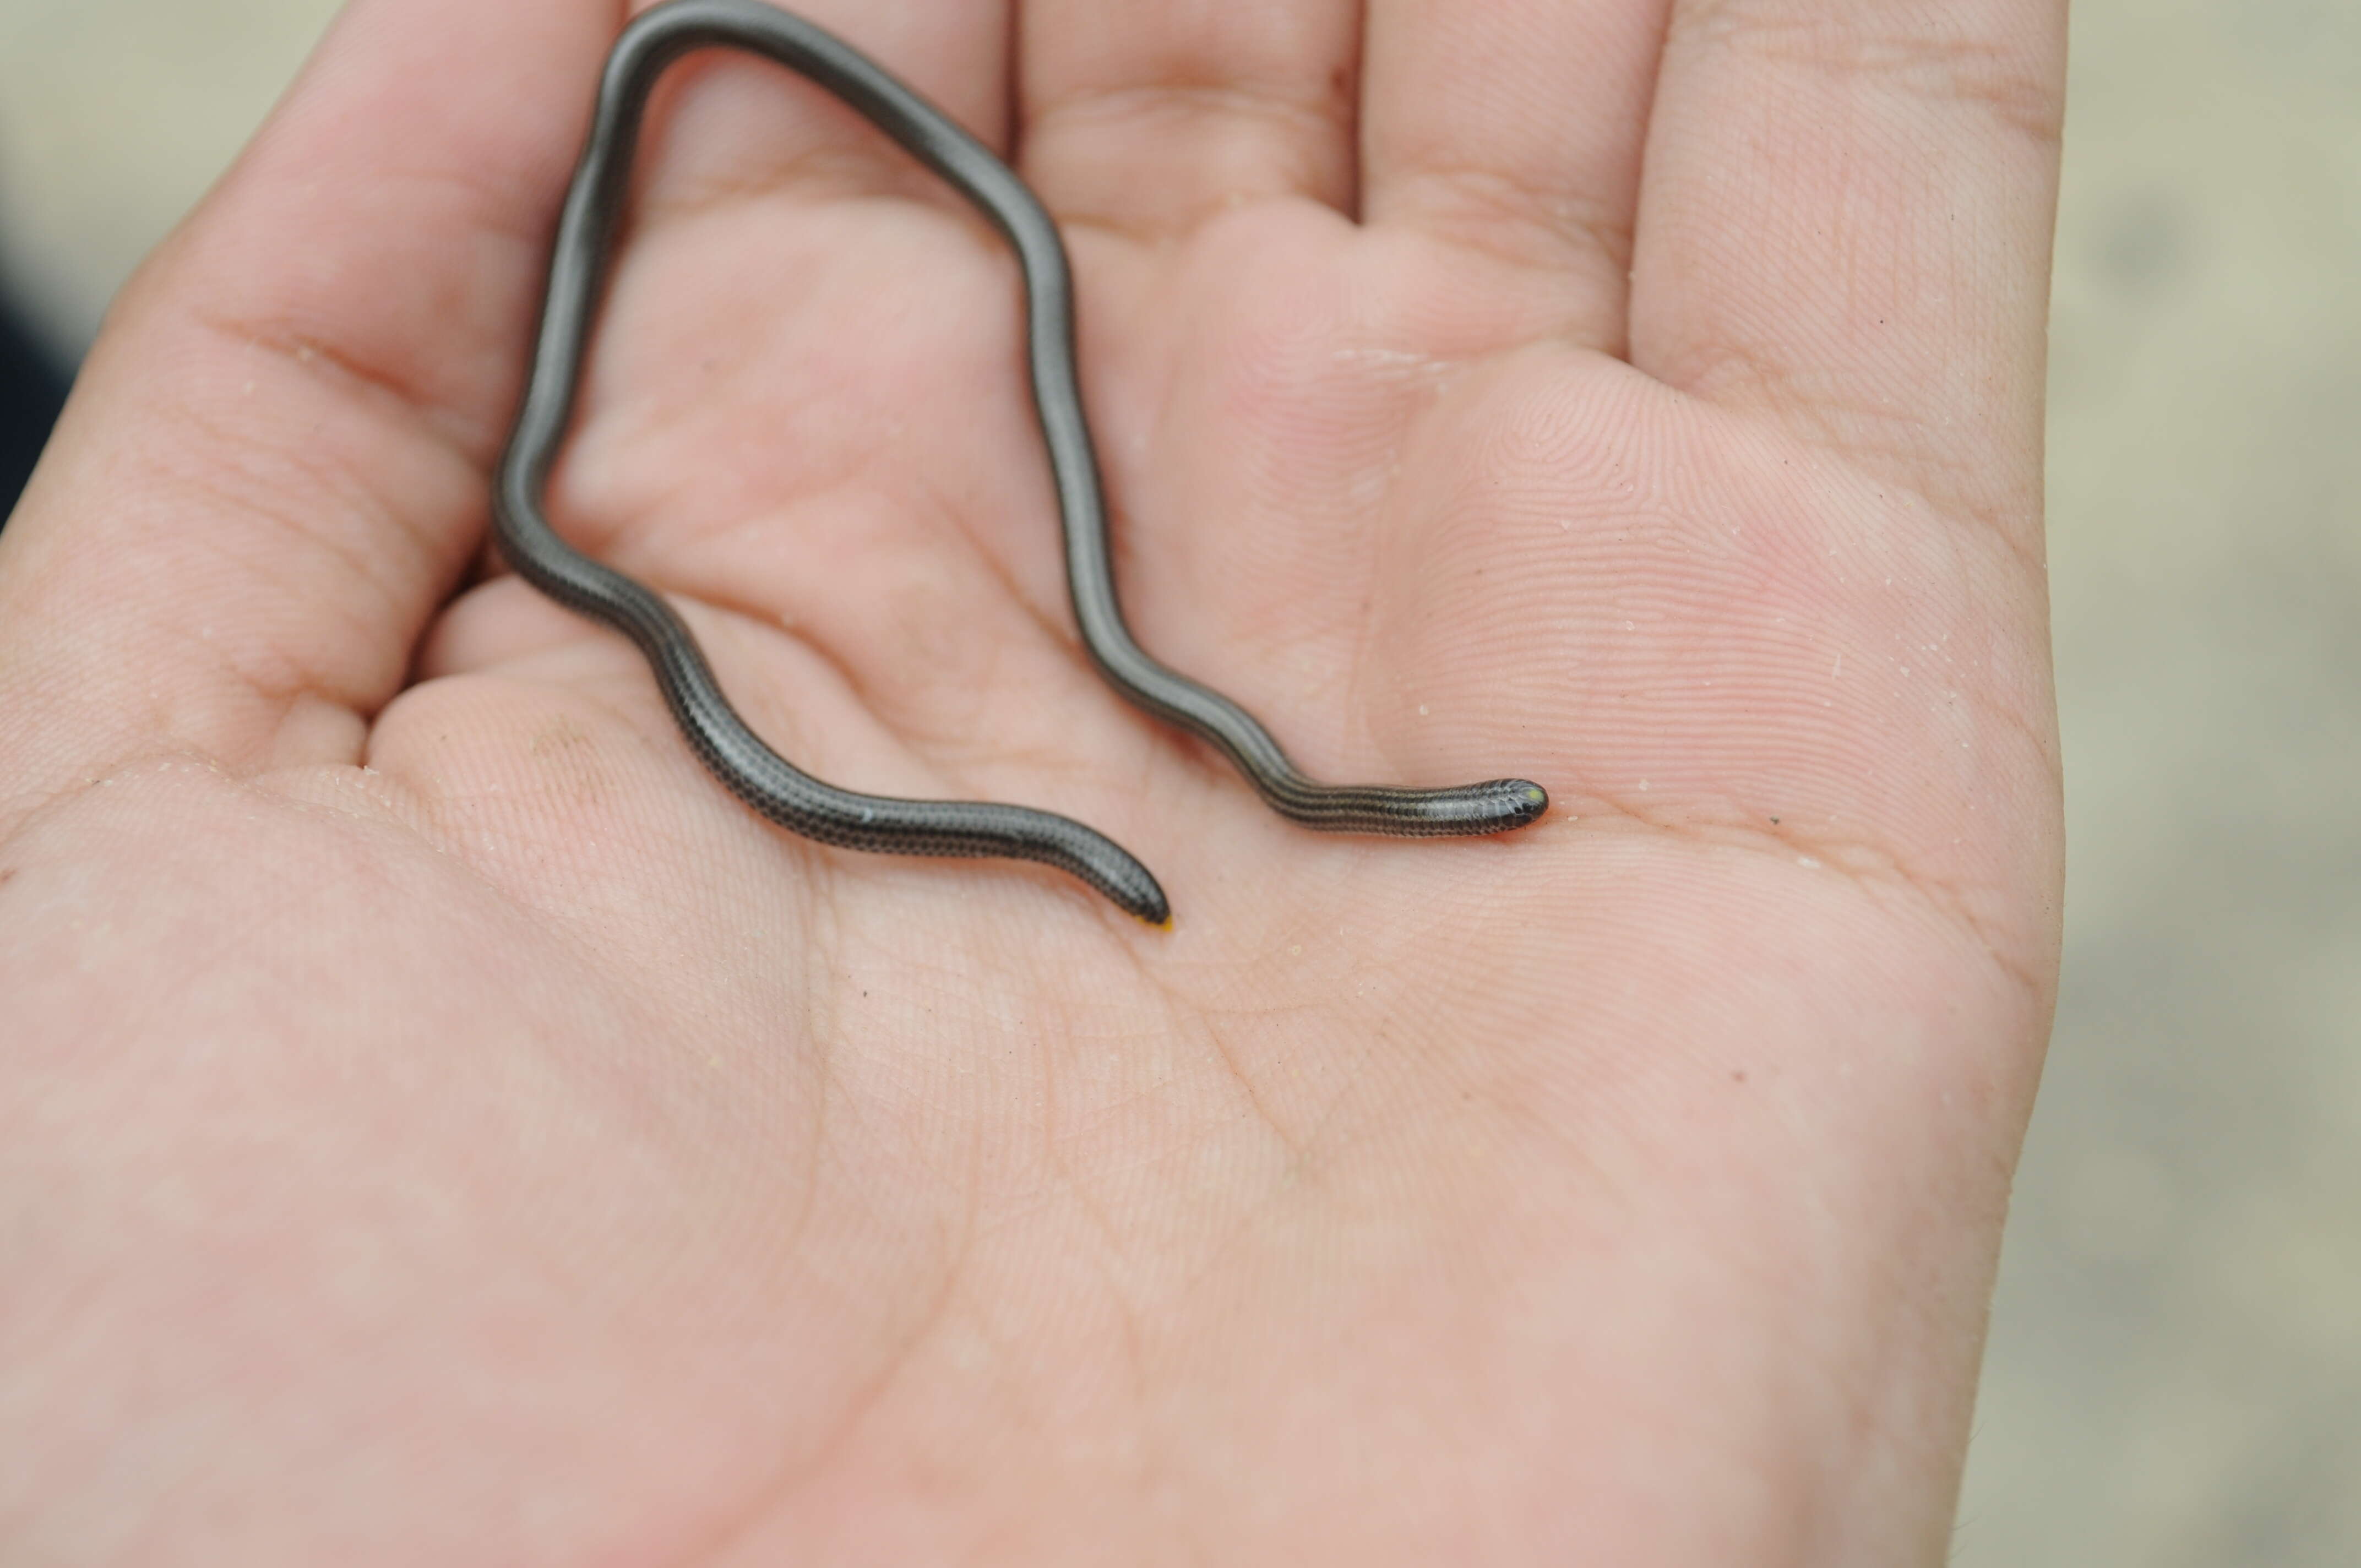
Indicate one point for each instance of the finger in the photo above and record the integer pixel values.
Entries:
(273, 467)
(1511, 133)
(1148, 118)
(1846, 219)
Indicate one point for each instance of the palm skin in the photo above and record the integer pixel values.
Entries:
(443, 1125)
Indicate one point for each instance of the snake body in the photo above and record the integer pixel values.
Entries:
(758, 776)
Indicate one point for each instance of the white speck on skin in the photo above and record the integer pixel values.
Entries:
(1422, 710)
(1807, 861)
(1644, 787)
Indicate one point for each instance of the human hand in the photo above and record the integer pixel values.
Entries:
(441, 1124)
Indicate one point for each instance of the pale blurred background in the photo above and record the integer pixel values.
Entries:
(2174, 1370)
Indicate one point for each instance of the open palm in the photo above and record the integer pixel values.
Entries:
(440, 1124)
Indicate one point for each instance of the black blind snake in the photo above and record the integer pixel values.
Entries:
(758, 776)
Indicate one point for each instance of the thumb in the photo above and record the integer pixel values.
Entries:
(273, 469)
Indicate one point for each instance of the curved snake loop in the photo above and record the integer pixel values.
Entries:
(757, 774)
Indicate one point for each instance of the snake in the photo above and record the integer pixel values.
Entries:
(595, 205)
